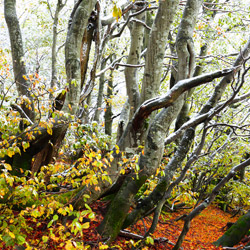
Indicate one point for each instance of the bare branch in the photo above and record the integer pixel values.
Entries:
(111, 66)
(22, 113)
(162, 102)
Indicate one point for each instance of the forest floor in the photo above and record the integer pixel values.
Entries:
(205, 229)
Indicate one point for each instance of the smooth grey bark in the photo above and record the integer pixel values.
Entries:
(59, 6)
(184, 40)
(149, 22)
(150, 201)
(108, 113)
(156, 49)
(100, 92)
(185, 51)
(77, 26)
(18, 56)
(123, 121)
(183, 116)
(131, 73)
(153, 150)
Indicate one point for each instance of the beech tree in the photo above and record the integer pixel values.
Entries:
(186, 105)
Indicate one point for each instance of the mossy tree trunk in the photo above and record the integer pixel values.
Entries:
(235, 233)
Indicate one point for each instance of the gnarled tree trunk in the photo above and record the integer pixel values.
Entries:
(77, 26)
(235, 233)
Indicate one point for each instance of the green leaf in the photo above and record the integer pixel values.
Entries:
(50, 223)
(20, 239)
(55, 217)
(85, 225)
(150, 240)
(45, 238)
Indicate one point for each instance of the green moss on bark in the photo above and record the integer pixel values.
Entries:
(235, 233)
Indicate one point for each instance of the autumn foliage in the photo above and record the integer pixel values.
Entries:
(52, 234)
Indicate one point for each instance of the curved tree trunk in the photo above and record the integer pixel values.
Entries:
(186, 59)
(41, 141)
(154, 145)
(150, 202)
(236, 232)
(186, 53)
(77, 26)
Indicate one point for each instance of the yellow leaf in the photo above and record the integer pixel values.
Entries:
(157, 171)
(117, 13)
(8, 166)
(117, 149)
(49, 130)
(102, 246)
(25, 77)
(45, 238)
(71, 207)
(85, 225)
(12, 235)
(69, 245)
(10, 153)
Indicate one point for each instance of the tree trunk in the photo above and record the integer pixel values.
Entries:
(236, 232)
(100, 92)
(131, 73)
(150, 202)
(77, 27)
(45, 156)
(156, 49)
(18, 56)
(59, 7)
(86, 46)
(43, 136)
(108, 113)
